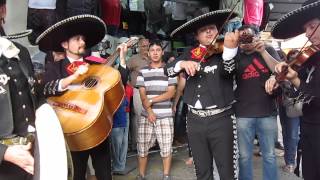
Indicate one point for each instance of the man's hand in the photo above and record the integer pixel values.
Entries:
(271, 84)
(151, 116)
(260, 46)
(20, 155)
(147, 103)
(123, 48)
(82, 69)
(174, 107)
(231, 39)
(190, 67)
(282, 66)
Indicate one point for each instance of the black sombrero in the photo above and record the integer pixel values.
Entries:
(214, 17)
(18, 35)
(291, 24)
(91, 27)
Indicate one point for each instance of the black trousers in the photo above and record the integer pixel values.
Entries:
(213, 137)
(9, 171)
(101, 161)
(310, 139)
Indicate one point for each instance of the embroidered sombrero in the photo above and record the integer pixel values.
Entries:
(291, 24)
(18, 35)
(91, 27)
(214, 17)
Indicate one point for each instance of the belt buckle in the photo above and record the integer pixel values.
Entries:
(202, 113)
(18, 140)
(208, 112)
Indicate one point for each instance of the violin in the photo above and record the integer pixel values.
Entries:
(304, 55)
(298, 60)
(215, 48)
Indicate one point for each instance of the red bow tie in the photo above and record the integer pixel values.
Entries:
(72, 67)
(198, 53)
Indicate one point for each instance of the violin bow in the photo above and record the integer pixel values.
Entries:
(279, 76)
(302, 48)
(220, 29)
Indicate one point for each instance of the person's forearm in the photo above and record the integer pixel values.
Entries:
(163, 97)
(65, 82)
(177, 97)
(144, 100)
(296, 82)
(270, 61)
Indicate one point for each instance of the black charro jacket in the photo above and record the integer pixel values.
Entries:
(212, 84)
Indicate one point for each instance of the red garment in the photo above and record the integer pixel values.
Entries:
(198, 53)
(72, 67)
(111, 11)
(129, 94)
(253, 12)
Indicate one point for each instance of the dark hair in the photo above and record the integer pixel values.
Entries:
(155, 42)
(247, 38)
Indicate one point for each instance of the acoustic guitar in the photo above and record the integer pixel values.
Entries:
(86, 110)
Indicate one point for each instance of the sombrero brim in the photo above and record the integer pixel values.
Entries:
(18, 35)
(214, 17)
(291, 24)
(91, 27)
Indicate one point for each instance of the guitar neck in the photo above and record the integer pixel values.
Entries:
(112, 58)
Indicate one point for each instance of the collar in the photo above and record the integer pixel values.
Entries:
(8, 49)
(162, 65)
(73, 60)
(203, 46)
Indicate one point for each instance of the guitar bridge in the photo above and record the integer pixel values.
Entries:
(69, 106)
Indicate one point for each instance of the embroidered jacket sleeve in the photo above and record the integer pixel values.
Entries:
(51, 80)
(228, 61)
(309, 84)
(172, 69)
(310, 95)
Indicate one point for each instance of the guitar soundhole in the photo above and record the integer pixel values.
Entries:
(91, 82)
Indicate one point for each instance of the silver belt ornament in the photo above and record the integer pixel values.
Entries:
(208, 112)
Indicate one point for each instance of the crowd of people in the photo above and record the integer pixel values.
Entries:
(221, 98)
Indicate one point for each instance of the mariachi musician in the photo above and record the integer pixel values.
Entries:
(209, 96)
(73, 36)
(307, 80)
(18, 101)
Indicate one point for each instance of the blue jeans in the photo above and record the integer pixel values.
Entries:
(290, 134)
(266, 130)
(119, 146)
